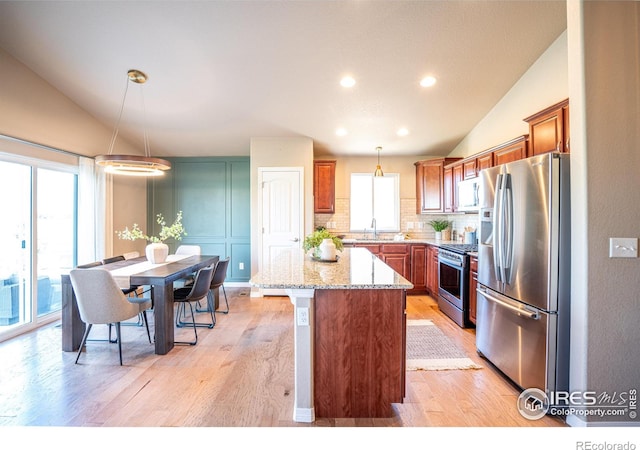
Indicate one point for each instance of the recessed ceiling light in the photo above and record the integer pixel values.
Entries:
(348, 82)
(428, 81)
(341, 132)
(403, 132)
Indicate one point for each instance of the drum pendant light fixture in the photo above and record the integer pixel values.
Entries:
(378, 172)
(134, 165)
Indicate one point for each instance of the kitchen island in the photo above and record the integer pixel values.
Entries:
(349, 332)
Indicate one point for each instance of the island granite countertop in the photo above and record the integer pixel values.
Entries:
(356, 268)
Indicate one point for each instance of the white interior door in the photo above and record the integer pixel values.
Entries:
(281, 210)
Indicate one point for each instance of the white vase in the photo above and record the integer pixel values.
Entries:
(328, 250)
(157, 252)
(438, 235)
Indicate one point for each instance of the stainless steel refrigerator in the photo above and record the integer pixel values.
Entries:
(522, 322)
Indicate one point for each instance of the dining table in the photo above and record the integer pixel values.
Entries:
(137, 272)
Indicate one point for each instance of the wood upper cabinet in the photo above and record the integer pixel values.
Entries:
(431, 185)
(324, 186)
(447, 189)
(469, 168)
(510, 151)
(549, 129)
(453, 174)
(473, 284)
(484, 161)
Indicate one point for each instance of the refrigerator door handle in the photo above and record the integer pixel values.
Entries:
(507, 255)
(524, 312)
(497, 229)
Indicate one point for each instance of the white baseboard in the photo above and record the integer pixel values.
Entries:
(237, 284)
(306, 415)
(575, 421)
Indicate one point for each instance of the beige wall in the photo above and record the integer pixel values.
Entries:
(130, 206)
(544, 84)
(31, 109)
(279, 152)
(412, 224)
(604, 73)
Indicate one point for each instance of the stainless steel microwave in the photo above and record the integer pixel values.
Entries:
(468, 196)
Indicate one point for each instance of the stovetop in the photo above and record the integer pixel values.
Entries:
(460, 248)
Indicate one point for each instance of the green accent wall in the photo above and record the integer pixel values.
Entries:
(214, 197)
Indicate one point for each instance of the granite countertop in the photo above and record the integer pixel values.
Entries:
(356, 268)
(391, 241)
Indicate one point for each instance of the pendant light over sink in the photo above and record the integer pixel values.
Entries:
(378, 172)
(133, 165)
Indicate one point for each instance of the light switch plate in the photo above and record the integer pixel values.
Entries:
(623, 247)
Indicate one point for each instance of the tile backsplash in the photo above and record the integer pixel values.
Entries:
(414, 225)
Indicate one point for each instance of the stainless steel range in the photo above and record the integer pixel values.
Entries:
(453, 281)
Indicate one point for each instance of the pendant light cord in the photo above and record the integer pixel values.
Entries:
(145, 137)
(115, 130)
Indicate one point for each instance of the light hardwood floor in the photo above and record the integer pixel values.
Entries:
(240, 374)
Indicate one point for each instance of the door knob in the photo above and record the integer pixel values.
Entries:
(295, 239)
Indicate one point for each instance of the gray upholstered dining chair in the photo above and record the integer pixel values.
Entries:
(131, 289)
(199, 290)
(187, 250)
(217, 282)
(101, 301)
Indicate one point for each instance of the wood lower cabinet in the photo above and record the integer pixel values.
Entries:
(397, 256)
(373, 248)
(432, 270)
(324, 186)
(418, 268)
(359, 352)
(549, 129)
(409, 260)
(473, 284)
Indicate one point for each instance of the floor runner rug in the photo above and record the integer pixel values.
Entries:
(428, 348)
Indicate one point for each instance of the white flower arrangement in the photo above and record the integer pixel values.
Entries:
(176, 231)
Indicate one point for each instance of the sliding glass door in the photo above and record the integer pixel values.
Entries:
(56, 233)
(37, 242)
(15, 242)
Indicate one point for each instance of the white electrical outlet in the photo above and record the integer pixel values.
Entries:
(241, 266)
(623, 247)
(302, 317)
(409, 225)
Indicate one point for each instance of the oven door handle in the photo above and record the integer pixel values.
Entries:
(525, 312)
(449, 262)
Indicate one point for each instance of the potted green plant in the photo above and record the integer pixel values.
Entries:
(439, 226)
(156, 251)
(314, 241)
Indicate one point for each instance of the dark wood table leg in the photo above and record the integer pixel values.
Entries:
(216, 298)
(72, 325)
(163, 317)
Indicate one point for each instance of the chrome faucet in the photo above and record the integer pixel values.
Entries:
(375, 229)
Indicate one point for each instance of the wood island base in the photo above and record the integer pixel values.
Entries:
(359, 352)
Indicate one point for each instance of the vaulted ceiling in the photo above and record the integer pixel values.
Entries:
(221, 72)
